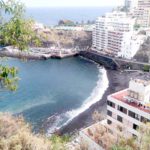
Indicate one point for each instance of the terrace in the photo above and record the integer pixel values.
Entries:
(123, 96)
(98, 136)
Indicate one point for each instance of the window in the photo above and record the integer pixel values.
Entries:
(109, 122)
(135, 127)
(111, 104)
(122, 109)
(109, 113)
(144, 120)
(134, 115)
(119, 118)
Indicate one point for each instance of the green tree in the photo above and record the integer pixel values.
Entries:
(59, 142)
(15, 133)
(8, 79)
(17, 30)
(146, 68)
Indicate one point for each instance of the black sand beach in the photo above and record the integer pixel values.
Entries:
(117, 81)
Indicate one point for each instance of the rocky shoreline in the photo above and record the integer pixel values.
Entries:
(37, 53)
(118, 80)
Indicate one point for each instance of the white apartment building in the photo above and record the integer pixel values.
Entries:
(129, 109)
(144, 3)
(142, 16)
(140, 9)
(137, 3)
(114, 34)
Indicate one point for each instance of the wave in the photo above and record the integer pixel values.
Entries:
(96, 95)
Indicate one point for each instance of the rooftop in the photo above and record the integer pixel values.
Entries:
(98, 133)
(144, 82)
(122, 96)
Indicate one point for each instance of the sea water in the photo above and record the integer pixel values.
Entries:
(60, 89)
(51, 16)
(56, 91)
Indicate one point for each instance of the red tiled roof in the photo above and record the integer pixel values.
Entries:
(121, 97)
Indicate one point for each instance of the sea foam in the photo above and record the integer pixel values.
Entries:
(96, 95)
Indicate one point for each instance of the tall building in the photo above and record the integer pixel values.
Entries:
(142, 16)
(137, 4)
(114, 35)
(140, 9)
(129, 109)
(144, 3)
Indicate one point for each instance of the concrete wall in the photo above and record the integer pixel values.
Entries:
(112, 63)
(130, 65)
(105, 61)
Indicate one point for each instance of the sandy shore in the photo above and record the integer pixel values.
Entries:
(117, 81)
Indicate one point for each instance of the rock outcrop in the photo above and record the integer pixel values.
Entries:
(143, 54)
(66, 38)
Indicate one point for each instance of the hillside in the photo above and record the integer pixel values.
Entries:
(66, 39)
(143, 54)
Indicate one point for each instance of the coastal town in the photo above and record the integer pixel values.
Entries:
(115, 41)
(119, 34)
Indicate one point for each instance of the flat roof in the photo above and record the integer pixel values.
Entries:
(98, 133)
(120, 96)
(142, 81)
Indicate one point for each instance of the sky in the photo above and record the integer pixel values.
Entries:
(71, 3)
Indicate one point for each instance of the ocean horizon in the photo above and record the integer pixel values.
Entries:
(51, 15)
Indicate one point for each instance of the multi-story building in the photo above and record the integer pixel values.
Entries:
(100, 33)
(140, 9)
(129, 109)
(137, 4)
(114, 34)
(142, 16)
(144, 3)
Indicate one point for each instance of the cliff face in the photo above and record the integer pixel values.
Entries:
(143, 54)
(66, 39)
